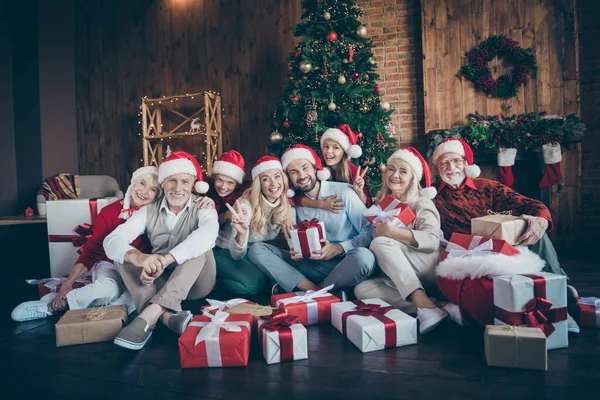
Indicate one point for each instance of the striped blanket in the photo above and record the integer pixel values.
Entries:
(60, 187)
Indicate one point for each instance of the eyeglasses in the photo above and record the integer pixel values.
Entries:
(456, 161)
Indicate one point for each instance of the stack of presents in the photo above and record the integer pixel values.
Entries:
(530, 310)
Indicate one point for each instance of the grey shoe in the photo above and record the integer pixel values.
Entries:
(135, 335)
(179, 321)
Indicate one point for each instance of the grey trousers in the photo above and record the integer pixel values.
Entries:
(342, 271)
(192, 280)
(545, 249)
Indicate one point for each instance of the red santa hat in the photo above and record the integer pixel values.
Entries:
(302, 151)
(148, 171)
(231, 164)
(417, 163)
(265, 163)
(345, 137)
(180, 162)
(458, 146)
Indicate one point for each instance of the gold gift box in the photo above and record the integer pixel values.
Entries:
(90, 325)
(515, 347)
(496, 226)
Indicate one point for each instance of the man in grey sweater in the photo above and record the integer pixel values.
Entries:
(181, 266)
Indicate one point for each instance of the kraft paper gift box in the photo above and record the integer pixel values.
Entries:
(390, 210)
(214, 305)
(310, 307)
(90, 325)
(515, 347)
(220, 340)
(534, 300)
(306, 237)
(463, 245)
(373, 324)
(499, 226)
(70, 224)
(238, 306)
(589, 311)
(282, 337)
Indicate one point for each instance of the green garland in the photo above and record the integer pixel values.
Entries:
(505, 86)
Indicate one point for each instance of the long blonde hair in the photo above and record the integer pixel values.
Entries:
(264, 217)
(412, 192)
(341, 171)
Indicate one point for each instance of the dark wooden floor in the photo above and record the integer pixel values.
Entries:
(447, 363)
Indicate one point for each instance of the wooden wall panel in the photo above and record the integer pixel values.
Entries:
(127, 50)
(453, 27)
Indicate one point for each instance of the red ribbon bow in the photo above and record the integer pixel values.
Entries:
(280, 321)
(535, 317)
(377, 311)
(84, 232)
(304, 225)
(129, 211)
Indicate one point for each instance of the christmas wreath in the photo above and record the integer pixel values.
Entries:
(505, 86)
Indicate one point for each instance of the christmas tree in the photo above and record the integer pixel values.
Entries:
(332, 81)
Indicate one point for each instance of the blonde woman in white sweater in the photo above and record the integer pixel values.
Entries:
(408, 256)
(263, 209)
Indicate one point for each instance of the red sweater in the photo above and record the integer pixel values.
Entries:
(353, 173)
(107, 221)
(475, 198)
(221, 201)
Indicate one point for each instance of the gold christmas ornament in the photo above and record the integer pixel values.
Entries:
(276, 136)
(341, 79)
(331, 106)
(385, 105)
(305, 67)
(364, 108)
(361, 31)
(326, 16)
(382, 167)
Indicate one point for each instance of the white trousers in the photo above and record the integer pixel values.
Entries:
(107, 286)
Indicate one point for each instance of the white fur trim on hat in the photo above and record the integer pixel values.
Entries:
(201, 187)
(296, 154)
(174, 167)
(411, 159)
(506, 157)
(228, 169)
(552, 153)
(323, 174)
(291, 193)
(451, 146)
(428, 192)
(494, 264)
(352, 150)
(472, 171)
(264, 166)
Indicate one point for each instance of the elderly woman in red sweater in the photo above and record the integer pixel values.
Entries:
(106, 282)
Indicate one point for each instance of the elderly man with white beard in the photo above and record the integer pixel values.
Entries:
(181, 266)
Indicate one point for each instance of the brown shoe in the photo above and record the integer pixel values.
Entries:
(179, 321)
(135, 335)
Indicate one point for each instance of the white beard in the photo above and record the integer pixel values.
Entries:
(176, 203)
(457, 179)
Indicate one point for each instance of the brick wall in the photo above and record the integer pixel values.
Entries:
(588, 15)
(395, 27)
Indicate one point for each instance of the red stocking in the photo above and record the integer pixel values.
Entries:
(506, 160)
(552, 157)
(506, 176)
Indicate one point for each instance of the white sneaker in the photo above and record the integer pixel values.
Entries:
(572, 325)
(30, 310)
(429, 318)
(453, 311)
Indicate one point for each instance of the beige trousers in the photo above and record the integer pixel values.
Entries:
(192, 280)
(406, 270)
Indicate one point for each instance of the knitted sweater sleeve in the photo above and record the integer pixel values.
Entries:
(507, 199)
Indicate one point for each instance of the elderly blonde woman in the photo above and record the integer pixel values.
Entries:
(261, 212)
(408, 256)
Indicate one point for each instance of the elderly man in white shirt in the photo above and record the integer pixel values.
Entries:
(181, 266)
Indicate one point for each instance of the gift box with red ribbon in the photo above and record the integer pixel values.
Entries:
(310, 307)
(463, 245)
(373, 324)
(391, 210)
(282, 337)
(220, 340)
(306, 236)
(534, 300)
(70, 224)
(589, 311)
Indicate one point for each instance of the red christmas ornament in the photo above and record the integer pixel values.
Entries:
(295, 99)
(286, 124)
(325, 71)
(498, 117)
(350, 54)
(376, 89)
(332, 36)
(297, 54)
(355, 75)
(359, 135)
(380, 138)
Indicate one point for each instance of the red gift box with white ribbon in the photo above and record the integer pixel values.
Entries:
(589, 311)
(310, 307)
(282, 337)
(535, 300)
(373, 324)
(463, 245)
(390, 210)
(220, 340)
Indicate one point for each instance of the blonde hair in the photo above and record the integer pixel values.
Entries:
(264, 217)
(412, 192)
(341, 171)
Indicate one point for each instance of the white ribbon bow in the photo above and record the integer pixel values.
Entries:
(218, 321)
(222, 305)
(590, 301)
(388, 214)
(455, 250)
(306, 297)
